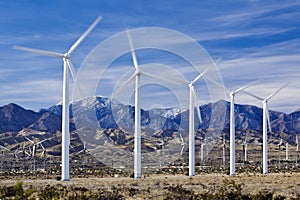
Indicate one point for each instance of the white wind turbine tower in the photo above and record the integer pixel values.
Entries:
(232, 126)
(137, 116)
(279, 151)
(297, 148)
(266, 122)
(192, 105)
(162, 144)
(3, 149)
(232, 123)
(245, 145)
(297, 143)
(182, 146)
(202, 151)
(224, 151)
(43, 155)
(287, 151)
(65, 103)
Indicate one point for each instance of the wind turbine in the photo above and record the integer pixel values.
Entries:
(34, 148)
(232, 123)
(137, 117)
(182, 146)
(65, 103)
(24, 153)
(192, 106)
(84, 149)
(3, 149)
(43, 155)
(287, 151)
(232, 126)
(83, 153)
(266, 122)
(279, 151)
(297, 148)
(162, 144)
(224, 151)
(297, 143)
(202, 151)
(137, 112)
(245, 145)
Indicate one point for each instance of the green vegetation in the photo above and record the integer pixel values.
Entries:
(15, 192)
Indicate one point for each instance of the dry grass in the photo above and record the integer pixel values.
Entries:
(156, 186)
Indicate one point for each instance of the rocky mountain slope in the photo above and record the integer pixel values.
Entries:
(99, 113)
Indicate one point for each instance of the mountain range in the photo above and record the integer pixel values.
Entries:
(96, 113)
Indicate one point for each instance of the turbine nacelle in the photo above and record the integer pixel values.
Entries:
(191, 84)
(67, 56)
(265, 101)
(138, 72)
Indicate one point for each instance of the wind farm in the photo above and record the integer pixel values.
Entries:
(151, 112)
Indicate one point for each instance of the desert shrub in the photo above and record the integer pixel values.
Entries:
(7, 192)
(263, 195)
(18, 187)
(49, 192)
(230, 190)
(178, 192)
(133, 191)
(227, 190)
(15, 192)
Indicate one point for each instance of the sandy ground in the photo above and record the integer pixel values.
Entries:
(279, 183)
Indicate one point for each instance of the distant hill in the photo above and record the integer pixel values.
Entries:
(96, 113)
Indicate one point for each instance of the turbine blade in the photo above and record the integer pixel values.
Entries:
(246, 86)
(71, 68)
(29, 140)
(218, 60)
(38, 51)
(276, 92)
(28, 154)
(200, 75)
(84, 35)
(42, 154)
(218, 84)
(123, 85)
(254, 96)
(3, 147)
(74, 74)
(181, 138)
(268, 118)
(134, 59)
(181, 152)
(173, 81)
(42, 146)
(40, 142)
(196, 105)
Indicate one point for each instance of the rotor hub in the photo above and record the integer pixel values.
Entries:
(67, 56)
(137, 72)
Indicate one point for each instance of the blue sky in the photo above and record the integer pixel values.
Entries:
(254, 39)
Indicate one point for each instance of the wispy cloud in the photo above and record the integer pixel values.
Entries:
(37, 92)
(255, 39)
